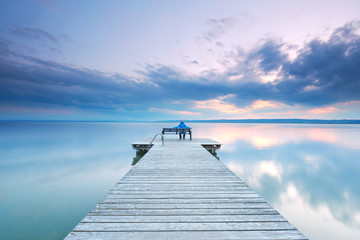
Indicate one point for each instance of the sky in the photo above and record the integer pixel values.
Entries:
(167, 60)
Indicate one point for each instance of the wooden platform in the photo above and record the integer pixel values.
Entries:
(180, 191)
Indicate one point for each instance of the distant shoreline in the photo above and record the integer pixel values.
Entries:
(279, 121)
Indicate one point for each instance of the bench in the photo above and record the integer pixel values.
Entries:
(177, 130)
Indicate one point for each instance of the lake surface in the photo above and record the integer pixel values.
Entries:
(53, 173)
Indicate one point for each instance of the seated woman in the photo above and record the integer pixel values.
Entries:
(182, 125)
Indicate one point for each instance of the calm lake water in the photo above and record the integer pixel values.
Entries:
(53, 174)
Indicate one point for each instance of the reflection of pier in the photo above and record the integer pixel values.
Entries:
(180, 191)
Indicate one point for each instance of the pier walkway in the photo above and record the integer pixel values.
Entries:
(181, 191)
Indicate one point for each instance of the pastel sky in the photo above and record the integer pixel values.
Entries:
(161, 60)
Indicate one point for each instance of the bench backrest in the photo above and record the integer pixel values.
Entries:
(176, 130)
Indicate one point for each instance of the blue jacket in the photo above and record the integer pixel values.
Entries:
(182, 125)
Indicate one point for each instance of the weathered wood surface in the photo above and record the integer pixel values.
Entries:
(180, 191)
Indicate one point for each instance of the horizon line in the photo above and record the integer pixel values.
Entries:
(262, 120)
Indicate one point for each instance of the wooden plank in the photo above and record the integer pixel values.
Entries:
(161, 187)
(181, 226)
(183, 206)
(182, 212)
(180, 185)
(187, 219)
(181, 201)
(180, 182)
(177, 181)
(198, 235)
(180, 191)
(181, 178)
(181, 195)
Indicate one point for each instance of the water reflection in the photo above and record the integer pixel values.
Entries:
(214, 153)
(318, 221)
(139, 155)
(271, 135)
(310, 173)
(52, 174)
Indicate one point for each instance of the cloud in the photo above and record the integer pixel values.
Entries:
(218, 27)
(34, 33)
(176, 85)
(32, 81)
(5, 47)
(260, 104)
(176, 112)
(29, 81)
(220, 105)
(5, 108)
(330, 69)
(323, 110)
(269, 55)
(219, 44)
(269, 168)
(236, 77)
(324, 73)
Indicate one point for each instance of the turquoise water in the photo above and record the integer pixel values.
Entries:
(52, 174)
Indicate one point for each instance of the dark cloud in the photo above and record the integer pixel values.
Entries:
(34, 33)
(323, 73)
(177, 85)
(34, 81)
(5, 47)
(270, 55)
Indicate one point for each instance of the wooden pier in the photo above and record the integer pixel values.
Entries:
(181, 191)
